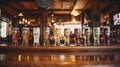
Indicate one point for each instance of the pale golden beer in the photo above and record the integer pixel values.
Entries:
(67, 36)
(25, 35)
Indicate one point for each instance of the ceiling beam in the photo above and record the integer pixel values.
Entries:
(4, 12)
(88, 2)
(20, 5)
(107, 8)
(7, 1)
(29, 11)
(8, 5)
(74, 4)
(50, 10)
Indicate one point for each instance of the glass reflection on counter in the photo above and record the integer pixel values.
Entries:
(35, 58)
(60, 59)
(2, 57)
(64, 58)
(19, 58)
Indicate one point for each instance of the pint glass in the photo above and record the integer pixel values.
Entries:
(88, 35)
(85, 36)
(46, 36)
(67, 36)
(77, 36)
(95, 35)
(108, 35)
(36, 35)
(98, 35)
(57, 36)
(25, 36)
(15, 36)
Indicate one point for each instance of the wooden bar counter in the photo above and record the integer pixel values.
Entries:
(59, 48)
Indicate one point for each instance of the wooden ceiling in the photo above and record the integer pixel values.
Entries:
(29, 7)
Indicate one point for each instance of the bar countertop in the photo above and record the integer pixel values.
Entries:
(59, 48)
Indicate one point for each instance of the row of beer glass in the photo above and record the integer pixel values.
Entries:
(25, 36)
(69, 38)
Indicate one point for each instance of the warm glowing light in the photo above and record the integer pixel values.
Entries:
(72, 58)
(20, 14)
(23, 19)
(35, 8)
(68, 6)
(75, 12)
(52, 15)
(28, 22)
(52, 20)
(20, 22)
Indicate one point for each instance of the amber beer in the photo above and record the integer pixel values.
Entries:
(36, 35)
(67, 36)
(46, 36)
(104, 36)
(85, 35)
(77, 36)
(25, 36)
(57, 36)
(15, 36)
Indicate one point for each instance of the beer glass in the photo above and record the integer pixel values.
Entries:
(25, 35)
(36, 35)
(98, 35)
(67, 36)
(15, 36)
(77, 36)
(107, 32)
(88, 35)
(104, 36)
(85, 36)
(95, 35)
(57, 36)
(46, 36)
